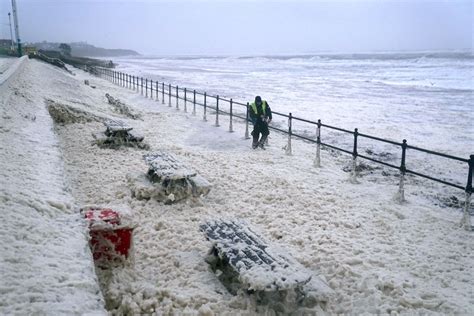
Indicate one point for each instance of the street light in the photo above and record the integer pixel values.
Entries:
(11, 32)
(17, 31)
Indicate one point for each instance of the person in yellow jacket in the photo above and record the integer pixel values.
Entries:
(260, 115)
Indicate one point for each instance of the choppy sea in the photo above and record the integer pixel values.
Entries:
(426, 98)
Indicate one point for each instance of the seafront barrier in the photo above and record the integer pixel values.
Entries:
(234, 109)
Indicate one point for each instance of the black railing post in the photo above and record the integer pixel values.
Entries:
(141, 84)
(162, 93)
(217, 111)
(194, 102)
(177, 98)
(169, 94)
(247, 122)
(205, 105)
(146, 87)
(403, 169)
(288, 146)
(317, 161)
(185, 101)
(151, 89)
(470, 174)
(468, 225)
(230, 117)
(157, 91)
(354, 157)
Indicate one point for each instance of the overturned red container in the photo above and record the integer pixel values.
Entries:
(110, 241)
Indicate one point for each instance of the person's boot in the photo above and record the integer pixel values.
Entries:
(255, 142)
(261, 143)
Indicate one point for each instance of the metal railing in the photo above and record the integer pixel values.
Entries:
(153, 89)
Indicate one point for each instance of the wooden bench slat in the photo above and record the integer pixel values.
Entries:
(115, 126)
(246, 261)
(253, 259)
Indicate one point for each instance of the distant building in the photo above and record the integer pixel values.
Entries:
(29, 50)
(6, 47)
(5, 43)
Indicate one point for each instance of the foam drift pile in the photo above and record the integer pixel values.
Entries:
(217, 227)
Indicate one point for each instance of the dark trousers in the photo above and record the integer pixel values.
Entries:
(260, 127)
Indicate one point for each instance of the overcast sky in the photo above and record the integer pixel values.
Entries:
(233, 27)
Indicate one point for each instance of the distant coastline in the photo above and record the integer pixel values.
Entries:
(82, 49)
(330, 56)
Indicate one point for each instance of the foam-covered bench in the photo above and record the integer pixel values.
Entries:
(167, 180)
(118, 133)
(245, 261)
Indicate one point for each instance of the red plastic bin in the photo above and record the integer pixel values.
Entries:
(110, 242)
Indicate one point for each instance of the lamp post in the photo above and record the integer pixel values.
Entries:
(11, 32)
(17, 31)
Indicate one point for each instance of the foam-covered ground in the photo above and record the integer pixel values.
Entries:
(377, 255)
(45, 263)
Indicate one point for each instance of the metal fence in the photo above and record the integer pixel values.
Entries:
(157, 90)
